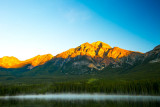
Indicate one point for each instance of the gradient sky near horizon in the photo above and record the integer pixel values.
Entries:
(32, 27)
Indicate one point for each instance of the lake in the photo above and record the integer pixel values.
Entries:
(79, 100)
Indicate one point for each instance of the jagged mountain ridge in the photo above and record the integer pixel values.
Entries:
(95, 56)
(95, 49)
(88, 58)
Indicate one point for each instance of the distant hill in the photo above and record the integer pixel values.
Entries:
(13, 62)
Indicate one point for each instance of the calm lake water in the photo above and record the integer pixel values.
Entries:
(79, 100)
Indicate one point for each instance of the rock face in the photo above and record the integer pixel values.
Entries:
(95, 56)
(12, 62)
(84, 59)
(96, 49)
(153, 55)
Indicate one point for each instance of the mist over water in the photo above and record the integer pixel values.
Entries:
(79, 100)
(72, 96)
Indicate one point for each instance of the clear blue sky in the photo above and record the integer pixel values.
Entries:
(32, 27)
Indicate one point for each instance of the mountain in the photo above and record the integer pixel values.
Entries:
(96, 49)
(90, 58)
(39, 60)
(9, 62)
(97, 57)
(13, 62)
(152, 56)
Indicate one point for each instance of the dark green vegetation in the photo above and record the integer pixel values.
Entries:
(151, 87)
(52, 103)
(143, 79)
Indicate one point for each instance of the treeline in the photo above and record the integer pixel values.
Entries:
(147, 87)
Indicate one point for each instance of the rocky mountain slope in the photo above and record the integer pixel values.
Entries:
(95, 57)
(84, 59)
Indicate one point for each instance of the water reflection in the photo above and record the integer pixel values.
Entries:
(95, 97)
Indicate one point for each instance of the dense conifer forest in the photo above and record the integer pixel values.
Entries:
(144, 87)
